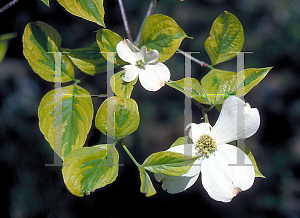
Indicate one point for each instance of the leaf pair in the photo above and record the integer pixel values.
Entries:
(42, 44)
(225, 42)
(164, 162)
(217, 85)
(222, 84)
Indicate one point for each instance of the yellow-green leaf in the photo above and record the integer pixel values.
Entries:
(4, 42)
(247, 79)
(146, 184)
(120, 87)
(87, 169)
(88, 60)
(75, 113)
(182, 141)
(212, 80)
(161, 33)
(46, 2)
(169, 163)
(117, 117)
(226, 38)
(252, 76)
(91, 10)
(251, 157)
(226, 88)
(38, 39)
(107, 41)
(192, 88)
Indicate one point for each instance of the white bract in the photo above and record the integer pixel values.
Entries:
(225, 169)
(152, 75)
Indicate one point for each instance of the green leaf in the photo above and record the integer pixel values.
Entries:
(4, 42)
(91, 10)
(169, 163)
(107, 41)
(226, 38)
(46, 2)
(8, 36)
(247, 79)
(192, 88)
(212, 80)
(87, 169)
(88, 60)
(252, 76)
(182, 141)
(251, 157)
(146, 184)
(117, 117)
(76, 119)
(120, 87)
(38, 39)
(226, 88)
(161, 33)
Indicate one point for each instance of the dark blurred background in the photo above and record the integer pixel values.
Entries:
(272, 32)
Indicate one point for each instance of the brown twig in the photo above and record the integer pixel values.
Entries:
(201, 63)
(127, 29)
(8, 5)
(150, 11)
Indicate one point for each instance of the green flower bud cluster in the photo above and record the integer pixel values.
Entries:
(206, 145)
(140, 64)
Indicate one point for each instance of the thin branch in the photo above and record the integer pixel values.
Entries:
(8, 5)
(127, 29)
(129, 154)
(151, 8)
(150, 11)
(201, 63)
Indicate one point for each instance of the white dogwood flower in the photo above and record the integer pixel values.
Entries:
(152, 75)
(221, 176)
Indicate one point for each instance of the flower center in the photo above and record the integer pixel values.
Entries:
(140, 64)
(206, 145)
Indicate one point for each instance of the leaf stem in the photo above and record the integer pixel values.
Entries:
(150, 11)
(206, 118)
(127, 29)
(204, 112)
(201, 63)
(129, 154)
(8, 5)
(76, 81)
(211, 107)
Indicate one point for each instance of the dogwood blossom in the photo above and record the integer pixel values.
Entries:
(221, 176)
(152, 75)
